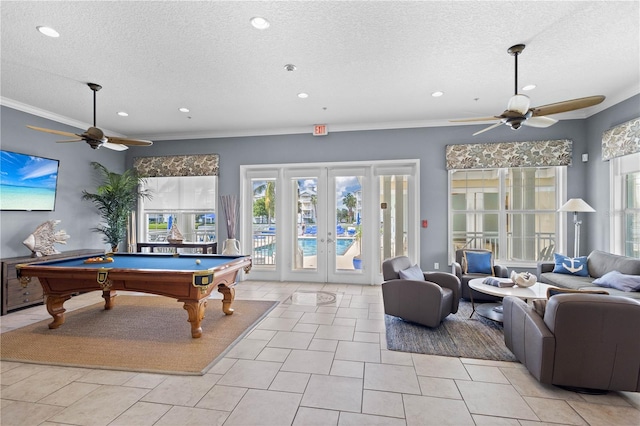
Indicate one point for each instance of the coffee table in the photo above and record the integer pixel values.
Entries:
(493, 311)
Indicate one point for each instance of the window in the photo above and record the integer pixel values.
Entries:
(189, 202)
(632, 215)
(511, 211)
(625, 205)
(394, 216)
(264, 221)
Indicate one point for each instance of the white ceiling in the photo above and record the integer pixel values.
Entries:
(365, 65)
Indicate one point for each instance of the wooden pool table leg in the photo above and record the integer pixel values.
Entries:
(228, 294)
(108, 296)
(55, 309)
(196, 310)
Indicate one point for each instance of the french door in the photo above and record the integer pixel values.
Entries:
(328, 223)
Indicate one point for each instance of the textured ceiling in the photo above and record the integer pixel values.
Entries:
(365, 65)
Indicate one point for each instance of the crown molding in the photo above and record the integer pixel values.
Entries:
(39, 112)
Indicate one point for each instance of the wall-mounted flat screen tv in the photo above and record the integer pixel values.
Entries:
(27, 182)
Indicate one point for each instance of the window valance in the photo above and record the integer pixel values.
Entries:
(177, 165)
(620, 140)
(509, 154)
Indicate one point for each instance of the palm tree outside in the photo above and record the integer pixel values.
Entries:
(350, 202)
(269, 190)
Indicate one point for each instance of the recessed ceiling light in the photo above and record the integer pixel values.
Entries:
(259, 23)
(290, 67)
(303, 95)
(529, 87)
(437, 94)
(123, 114)
(48, 31)
(183, 109)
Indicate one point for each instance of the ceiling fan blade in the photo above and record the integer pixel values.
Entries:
(55, 132)
(71, 140)
(127, 141)
(519, 104)
(540, 122)
(466, 120)
(488, 128)
(566, 106)
(114, 146)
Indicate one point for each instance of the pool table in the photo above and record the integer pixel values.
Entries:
(189, 278)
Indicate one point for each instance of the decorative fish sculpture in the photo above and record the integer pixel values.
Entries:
(523, 279)
(41, 241)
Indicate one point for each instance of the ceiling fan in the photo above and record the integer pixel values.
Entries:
(94, 136)
(519, 113)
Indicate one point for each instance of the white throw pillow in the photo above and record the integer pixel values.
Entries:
(412, 273)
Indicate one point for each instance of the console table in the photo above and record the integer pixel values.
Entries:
(204, 247)
(16, 295)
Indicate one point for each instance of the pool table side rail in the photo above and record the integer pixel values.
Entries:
(54, 265)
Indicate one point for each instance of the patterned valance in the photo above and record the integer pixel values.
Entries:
(623, 139)
(177, 165)
(509, 154)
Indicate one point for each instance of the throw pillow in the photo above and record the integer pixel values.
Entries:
(570, 265)
(412, 273)
(619, 281)
(478, 262)
(552, 291)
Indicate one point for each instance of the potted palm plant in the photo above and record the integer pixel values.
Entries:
(116, 195)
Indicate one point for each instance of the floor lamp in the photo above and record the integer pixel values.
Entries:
(576, 205)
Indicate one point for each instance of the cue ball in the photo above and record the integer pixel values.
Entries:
(197, 261)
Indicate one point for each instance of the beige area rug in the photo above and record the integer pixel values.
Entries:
(457, 336)
(140, 333)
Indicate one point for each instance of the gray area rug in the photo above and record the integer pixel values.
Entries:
(457, 336)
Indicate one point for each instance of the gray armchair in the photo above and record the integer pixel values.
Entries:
(581, 341)
(425, 302)
(458, 271)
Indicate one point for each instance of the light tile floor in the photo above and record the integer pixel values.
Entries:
(302, 365)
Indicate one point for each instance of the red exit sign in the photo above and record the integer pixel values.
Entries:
(320, 130)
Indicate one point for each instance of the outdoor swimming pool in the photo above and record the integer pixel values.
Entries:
(308, 246)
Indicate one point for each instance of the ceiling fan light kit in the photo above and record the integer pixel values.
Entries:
(519, 103)
(518, 110)
(94, 136)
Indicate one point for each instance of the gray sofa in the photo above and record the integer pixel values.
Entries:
(598, 264)
(588, 341)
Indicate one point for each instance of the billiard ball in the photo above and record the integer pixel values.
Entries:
(197, 261)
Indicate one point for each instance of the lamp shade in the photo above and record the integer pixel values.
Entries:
(576, 205)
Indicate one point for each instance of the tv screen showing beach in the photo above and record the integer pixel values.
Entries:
(27, 182)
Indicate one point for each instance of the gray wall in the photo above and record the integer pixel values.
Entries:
(75, 174)
(586, 180)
